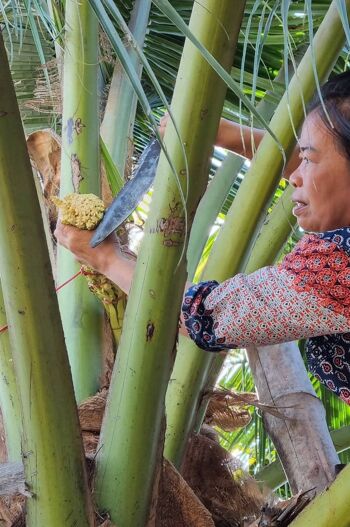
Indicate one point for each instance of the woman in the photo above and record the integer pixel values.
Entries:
(308, 294)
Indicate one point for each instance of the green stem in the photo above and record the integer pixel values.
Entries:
(274, 234)
(331, 508)
(132, 432)
(51, 441)
(209, 208)
(9, 399)
(117, 124)
(82, 314)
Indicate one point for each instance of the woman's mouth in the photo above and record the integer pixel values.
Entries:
(299, 208)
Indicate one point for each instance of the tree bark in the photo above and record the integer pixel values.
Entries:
(301, 438)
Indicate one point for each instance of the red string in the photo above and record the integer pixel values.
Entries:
(4, 328)
(68, 281)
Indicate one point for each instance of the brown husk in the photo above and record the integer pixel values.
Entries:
(218, 481)
(44, 148)
(178, 506)
(229, 410)
(12, 510)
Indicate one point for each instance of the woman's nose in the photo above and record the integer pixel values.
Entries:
(295, 179)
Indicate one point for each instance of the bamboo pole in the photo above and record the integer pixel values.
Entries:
(51, 441)
(118, 119)
(132, 431)
(82, 314)
(232, 248)
(9, 399)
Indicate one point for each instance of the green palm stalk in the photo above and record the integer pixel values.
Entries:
(82, 314)
(209, 208)
(51, 440)
(9, 400)
(332, 507)
(132, 433)
(274, 234)
(248, 210)
(117, 124)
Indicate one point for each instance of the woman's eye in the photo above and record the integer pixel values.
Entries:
(307, 160)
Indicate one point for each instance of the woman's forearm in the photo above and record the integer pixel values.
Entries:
(245, 140)
(120, 271)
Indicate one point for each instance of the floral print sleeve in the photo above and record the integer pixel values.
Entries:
(306, 296)
(198, 320)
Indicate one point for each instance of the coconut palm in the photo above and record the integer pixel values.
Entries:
(270, 32)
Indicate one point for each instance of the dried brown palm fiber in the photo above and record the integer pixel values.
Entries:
(44, 148)
(90, 442)
(178, 506)
(107, 53)
(12, 511)
(228, 410)
(90, 415)
(281, 513)
(226, 414)
(108, 353)
(106, 192)
(215, 476)
(48, 101)
(91, 412)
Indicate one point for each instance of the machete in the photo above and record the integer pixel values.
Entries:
(130, 195)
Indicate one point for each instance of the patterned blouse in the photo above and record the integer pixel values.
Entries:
(306, 296)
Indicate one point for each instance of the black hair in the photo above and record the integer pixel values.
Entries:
(336, 99)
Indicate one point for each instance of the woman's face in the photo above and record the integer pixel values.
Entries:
(322, 180)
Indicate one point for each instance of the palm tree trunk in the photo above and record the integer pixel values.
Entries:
(51, 440)
(132, 432)
(301, 439)
(81, 312)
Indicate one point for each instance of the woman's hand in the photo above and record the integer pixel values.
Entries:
(106, 258)
(77, 241)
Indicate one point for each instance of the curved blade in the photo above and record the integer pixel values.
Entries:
(130, 195)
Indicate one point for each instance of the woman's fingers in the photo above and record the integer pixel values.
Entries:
(77, 241)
